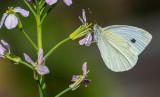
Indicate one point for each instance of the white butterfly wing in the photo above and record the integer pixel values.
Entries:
(136, 37)
(117, 53)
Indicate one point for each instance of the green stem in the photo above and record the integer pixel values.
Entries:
(42, 5)
(26, 64)
(37, 5)
(29, 39)
(30, 7)
(55, 47)
(19, 61)
(39, 32)
(63, 92)
(40, 89)
(41, 82)
(39, 27)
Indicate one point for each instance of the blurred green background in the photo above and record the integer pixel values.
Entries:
(142, 81)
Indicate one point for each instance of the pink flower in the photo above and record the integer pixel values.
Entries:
(10, 19)
(87, 40)
(3, 50)
(68, 2)
(80, 78)
(51, 2)
(38, 66)
(83, 19)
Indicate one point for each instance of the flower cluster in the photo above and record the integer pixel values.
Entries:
(80, 78)
(4, 50)
(87, 40)
(10, 18)
(38, 66)
(83, 30)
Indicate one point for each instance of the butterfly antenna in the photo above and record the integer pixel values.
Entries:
(92, 15)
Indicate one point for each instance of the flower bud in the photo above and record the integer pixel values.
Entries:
(30, 1)
(80, 32)
(13, 57)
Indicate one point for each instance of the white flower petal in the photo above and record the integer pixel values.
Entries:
(23, 12)
(11, 21)
(84, 15)
(2, 20)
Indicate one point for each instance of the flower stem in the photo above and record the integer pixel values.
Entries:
(55, 47)
(28, 65)
(29, 39)
(30, 7)
(66, 90)
(42, 5)
(41, 82)
(40, 89)
(39, 32)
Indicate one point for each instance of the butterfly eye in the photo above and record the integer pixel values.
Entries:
(96, 27)
(133, 40)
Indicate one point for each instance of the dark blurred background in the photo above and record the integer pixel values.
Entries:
(141, 81)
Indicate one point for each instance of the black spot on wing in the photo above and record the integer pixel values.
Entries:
(133, 40)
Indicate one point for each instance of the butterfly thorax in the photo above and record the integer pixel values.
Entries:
(97, 32)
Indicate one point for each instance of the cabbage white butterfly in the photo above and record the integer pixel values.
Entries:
(120, 45)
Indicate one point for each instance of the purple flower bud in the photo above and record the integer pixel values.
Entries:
(30, 1)
(85, 82)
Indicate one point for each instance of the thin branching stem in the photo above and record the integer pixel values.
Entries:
(30, 7)
(55, 47)
(63, 92)
(26, 64)
(29, 39)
